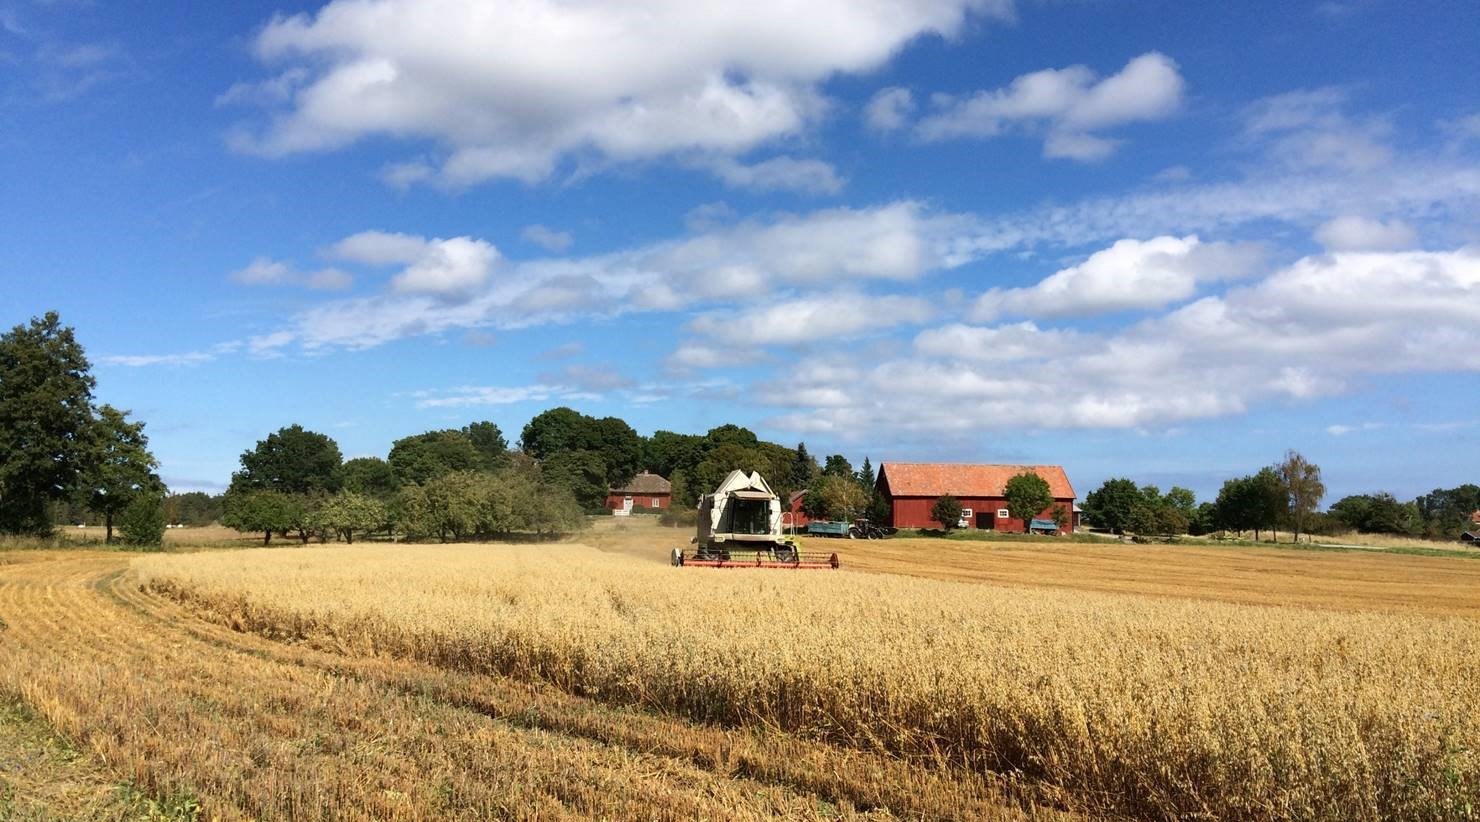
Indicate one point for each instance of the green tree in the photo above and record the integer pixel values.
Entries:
(667, 453)
(192, 508)
(865, 477)
(681, 493)
(947, 512)
(729, 434)
(423, 457)
(265, 511)
(45, 412)
(1027, 495)
(844, 498)
(1379, 513)
(1269, 501)
(558, 429)
(1445, 512)
(804, 468)
(582, 473)
(348, 512)
(142, 522)
(838, 465)
(1303, 489)
(1183, 501)
(120, 466)
(371, 476)
(489, 442)
(1111, 505)
(292, 460)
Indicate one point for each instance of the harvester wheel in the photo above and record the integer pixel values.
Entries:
(677, 557)
(785, 554)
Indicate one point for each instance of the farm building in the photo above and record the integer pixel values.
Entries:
(912, 488)
(643, 491)
(796, 515)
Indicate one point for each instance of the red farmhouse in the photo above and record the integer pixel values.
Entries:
(912, 488)
(644, 491)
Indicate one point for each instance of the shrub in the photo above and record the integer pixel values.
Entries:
(947, 512)
(142, 522)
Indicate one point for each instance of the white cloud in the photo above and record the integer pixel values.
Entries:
(1068, 105)
(510, 90)
(807, 319)
(267, 271)
(1309, 330)
(1340, 430)
(889, 109)
(779, 174)
(690, 357)
(143, 360)
(1129, 275)
(467, 395)
(547, 238)
(1355, 233)
(1310, 129)
(378, 248)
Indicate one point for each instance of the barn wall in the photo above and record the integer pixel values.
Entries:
(914, 512)
(614, 501)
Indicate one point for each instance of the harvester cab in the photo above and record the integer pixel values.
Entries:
(739, 526)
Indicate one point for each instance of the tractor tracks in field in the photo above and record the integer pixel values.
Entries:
(178, 704)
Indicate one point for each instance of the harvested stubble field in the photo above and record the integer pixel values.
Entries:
(1128, 705)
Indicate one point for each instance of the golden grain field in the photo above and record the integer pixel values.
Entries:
(1149, 707)
(179, 718)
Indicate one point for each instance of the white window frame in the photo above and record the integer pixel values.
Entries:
(966, 513)
(655, 502)
(1002, 513)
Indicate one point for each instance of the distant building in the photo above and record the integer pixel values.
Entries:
(911, 489)
(643, 491)
(797, 517)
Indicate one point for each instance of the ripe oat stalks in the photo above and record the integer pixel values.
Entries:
(1154, 708)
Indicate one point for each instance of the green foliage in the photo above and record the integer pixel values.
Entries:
(729, 434)
(1380, 513)
(347, 513)
(1111, 505)
(120, 466)
(1303, 488)
(489, 442)
(1253, 503)
(835, 498)
(476, 504)
(266, 511)
(292, 460)
(620, 449)
(421, 458)
(582, 473)
(838, 465)
(1445, 512)
(681, 492)
(804, 469)
(371, 476)
(1027, 495)
(142, 522)
(45, 410)
(947, 512)
(192, 508)
(667, 453)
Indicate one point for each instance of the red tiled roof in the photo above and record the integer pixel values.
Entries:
(934, 479)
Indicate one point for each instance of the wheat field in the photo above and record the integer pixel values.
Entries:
(1148, 707)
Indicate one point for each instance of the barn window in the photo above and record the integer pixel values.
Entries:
(1002, 513)
(966, 513)
(655, 502)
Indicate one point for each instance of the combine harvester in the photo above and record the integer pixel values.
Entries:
(740, 527)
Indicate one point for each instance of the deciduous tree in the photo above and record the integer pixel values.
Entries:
(45, 411)
(120, 466)
(1027, 495)
(947, 512)
(1303, 487)
(1110, 506)
(292, 460)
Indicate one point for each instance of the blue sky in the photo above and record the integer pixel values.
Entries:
(1158, 240)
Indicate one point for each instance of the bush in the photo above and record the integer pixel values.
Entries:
(947, 512)
(142, 522)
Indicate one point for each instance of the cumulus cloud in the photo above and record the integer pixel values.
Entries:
(270, 272)
(452, 269)
(1129, 275)
(1355, 233)
(1066, 105)
(806, 319)
(1306, 331)
(510, 90)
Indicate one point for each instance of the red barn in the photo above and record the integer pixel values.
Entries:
(797, 517)
(644, 491)
(912, 488)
